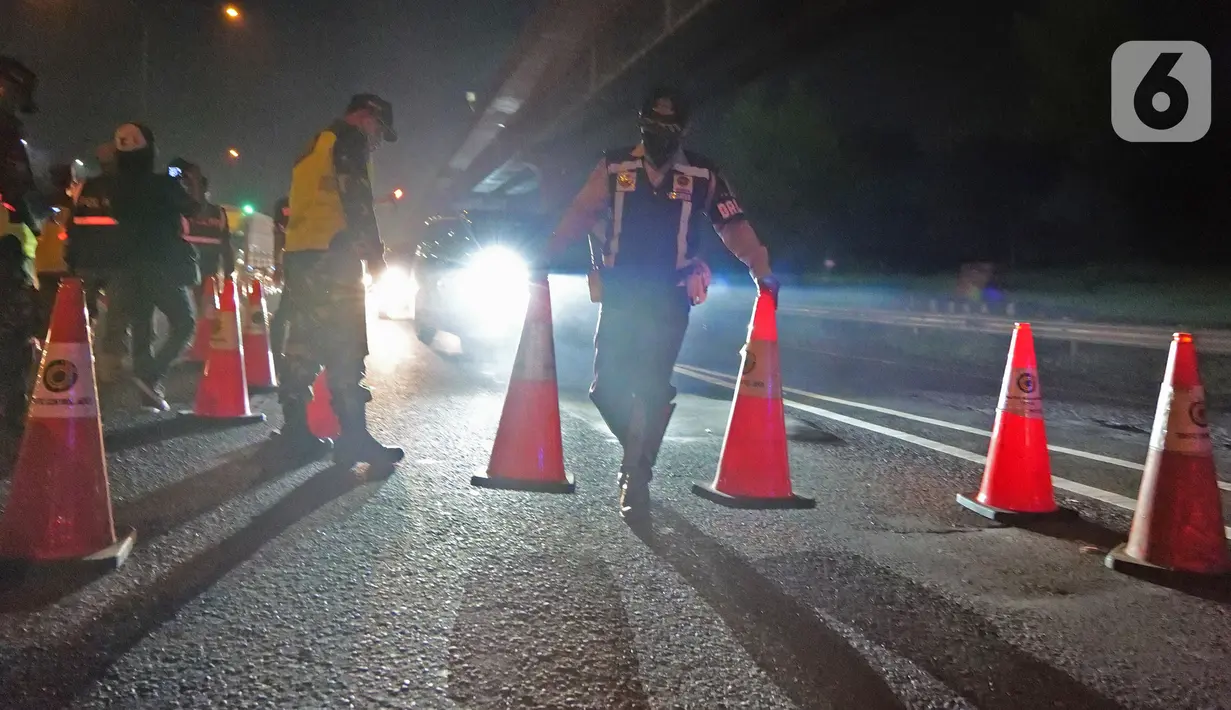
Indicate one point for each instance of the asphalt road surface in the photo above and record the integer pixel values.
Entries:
(258, 585)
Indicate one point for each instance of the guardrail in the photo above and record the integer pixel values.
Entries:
(1208, 341)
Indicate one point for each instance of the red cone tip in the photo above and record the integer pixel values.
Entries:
(228, 300)
(1182, 363)
(764, 319)
(69, 318)
(255, 293)
(1022, 353)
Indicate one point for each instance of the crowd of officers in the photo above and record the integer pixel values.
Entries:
(144, 237)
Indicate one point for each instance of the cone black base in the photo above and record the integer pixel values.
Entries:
(487, 480)
(707, 491)
(1119, 560)
(237, 420)
(1011, 517)
(105, 560)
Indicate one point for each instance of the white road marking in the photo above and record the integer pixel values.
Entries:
(1111, 460)
(1064, 484)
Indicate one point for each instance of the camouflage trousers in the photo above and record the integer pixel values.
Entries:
(326, 328)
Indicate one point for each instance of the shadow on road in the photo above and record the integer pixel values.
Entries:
(813, 664)
(166, 508)
(52, 677)
(164, 428)
(543, 630)
(955, 645)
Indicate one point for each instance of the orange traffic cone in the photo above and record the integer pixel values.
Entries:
(1178, 526)
(207, 315)
(528, 453)
(754, 470)
(322, 420)
(223, 391)
(258, 358)
(59, 510)
(1017, 476)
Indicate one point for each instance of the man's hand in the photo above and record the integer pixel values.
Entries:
(769, 284)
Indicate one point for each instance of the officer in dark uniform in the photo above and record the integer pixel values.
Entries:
(208, 229)
(331, 233)
(98, 254)
(22, 211)
(653, 200)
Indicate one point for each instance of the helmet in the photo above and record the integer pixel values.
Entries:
(21, 77)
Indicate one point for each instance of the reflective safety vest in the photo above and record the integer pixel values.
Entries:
(94, 239)
(209, 227)
(50, 255)
(653, 230)
(317, 214)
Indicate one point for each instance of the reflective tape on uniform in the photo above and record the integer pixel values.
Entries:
(95, 221)
(225, 333)
(1180, 424)
(1021, 395)
(65, 385)
(760, 376)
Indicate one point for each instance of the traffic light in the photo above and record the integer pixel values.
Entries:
(248, 208)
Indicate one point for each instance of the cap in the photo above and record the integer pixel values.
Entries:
(23, 78)
(381, 109)
(665, 104)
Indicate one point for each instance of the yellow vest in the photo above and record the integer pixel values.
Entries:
(52, 244)
(315, 203)
(29, 243)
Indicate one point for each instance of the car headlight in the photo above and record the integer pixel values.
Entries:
(494, 287)
(394, 289)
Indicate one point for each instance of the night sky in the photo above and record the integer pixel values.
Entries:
(264, 86)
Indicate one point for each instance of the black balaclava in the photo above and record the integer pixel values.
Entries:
(134, 146)
(663, 119)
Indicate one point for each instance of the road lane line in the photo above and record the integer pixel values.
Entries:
(1064, 484)
(1111, 460)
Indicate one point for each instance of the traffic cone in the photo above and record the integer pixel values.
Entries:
(258, 358)
(754, 470)
(1017, 477)
(528, 453)
(59, 508)
(223, 391)
(322, 420)
(1178, 526)
(207, 316)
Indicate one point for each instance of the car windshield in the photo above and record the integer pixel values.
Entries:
(448, 240)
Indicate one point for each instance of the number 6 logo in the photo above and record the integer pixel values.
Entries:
(1160, 92)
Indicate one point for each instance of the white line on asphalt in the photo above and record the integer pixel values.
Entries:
(1064, 484)
(942, 423)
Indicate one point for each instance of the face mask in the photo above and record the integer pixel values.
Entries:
(661, 141)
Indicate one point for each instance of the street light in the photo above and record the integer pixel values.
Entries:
(231, 12)
(233, 153)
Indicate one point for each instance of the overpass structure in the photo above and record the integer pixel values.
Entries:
(576, 73)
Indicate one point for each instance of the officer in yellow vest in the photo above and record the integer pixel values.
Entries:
(49, 257)
(331, 233)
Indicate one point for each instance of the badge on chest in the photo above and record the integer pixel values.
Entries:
(681, 188)
(626, 182)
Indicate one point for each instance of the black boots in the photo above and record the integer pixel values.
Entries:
(356, 444)
(646, 428)
(296, 439)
